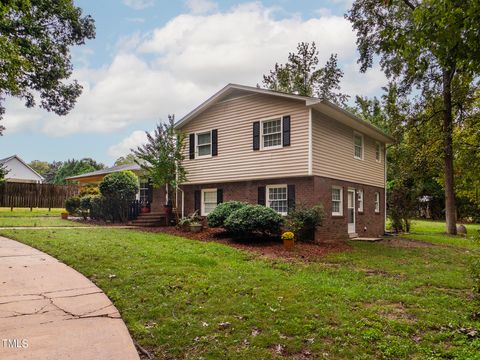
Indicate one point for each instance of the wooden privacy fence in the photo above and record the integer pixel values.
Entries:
(36, 195)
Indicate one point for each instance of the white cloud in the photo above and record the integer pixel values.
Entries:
(178, 65)
(201, 6)
(139, 4)
(136, 138)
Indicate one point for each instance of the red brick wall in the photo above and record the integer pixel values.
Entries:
(335, 227)
(308, 191)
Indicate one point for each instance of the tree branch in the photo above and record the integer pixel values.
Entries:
(409, 4)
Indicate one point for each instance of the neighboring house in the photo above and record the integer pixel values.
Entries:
(19, 171)
(282, 150)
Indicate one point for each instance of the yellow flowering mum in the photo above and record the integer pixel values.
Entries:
(288, 235)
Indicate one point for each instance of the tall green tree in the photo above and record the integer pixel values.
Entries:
(162, 155)
(35, 42)
(301, 75)
(75, 167)
(40, 167)
(427, 47)
(126, 160)
(3, 173)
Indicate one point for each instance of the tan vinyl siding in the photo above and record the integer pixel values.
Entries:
(333, 152)
(236, 159)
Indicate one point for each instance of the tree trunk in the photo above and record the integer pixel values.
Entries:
(450, 208)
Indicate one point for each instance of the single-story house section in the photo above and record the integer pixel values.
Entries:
(19, 171)
(147, 195)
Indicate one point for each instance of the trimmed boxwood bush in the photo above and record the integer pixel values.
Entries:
(118, 191)
(254, 220)
(218, 216)
(72, 204)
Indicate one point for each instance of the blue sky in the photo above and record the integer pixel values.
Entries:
(155, 57)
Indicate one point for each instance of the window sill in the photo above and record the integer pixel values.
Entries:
(357, 158)
(377, 212)
(337, 216)
(202, 157)
(361, 212)
(271, 148)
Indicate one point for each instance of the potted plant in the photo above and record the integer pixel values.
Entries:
(184, 224)
(288, 240)
(196, 226)
(64, 215)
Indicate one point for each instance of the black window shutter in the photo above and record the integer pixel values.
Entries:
(192, 146)
(261, 195)
(197, 205)
(286, 130)
(256, 135)
(291, 196)
(219, 196)
(214, 142)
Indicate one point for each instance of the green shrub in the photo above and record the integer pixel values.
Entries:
(254, 220)
(218, 216)
(97, 207)
(72, 204)
(118, 191)
(302, 221)
(89, 190)
(85, 205)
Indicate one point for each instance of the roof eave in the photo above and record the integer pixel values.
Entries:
(360, 123)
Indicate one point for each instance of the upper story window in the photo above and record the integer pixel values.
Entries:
(377, 202)
(272, 133)
(204, 144)
(337, 200)
(378, 151)
(358, 146)
(277, 198)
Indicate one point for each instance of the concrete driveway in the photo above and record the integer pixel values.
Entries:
(50, 311)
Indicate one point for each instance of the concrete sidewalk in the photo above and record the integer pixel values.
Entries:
(50, 311)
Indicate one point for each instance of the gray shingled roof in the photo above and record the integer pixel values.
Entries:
(132, 167)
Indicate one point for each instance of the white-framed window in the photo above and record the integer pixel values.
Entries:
(271, 133)
(277, 198)
(143, 192)
(360, 200)
(358, 146)
(203, 141)
(377, 202)
(209, 201)
(378, 152)
(337, 200)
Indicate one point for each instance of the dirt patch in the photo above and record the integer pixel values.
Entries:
(393, 311)
(396, 311)
(406, 243)
(265, 247)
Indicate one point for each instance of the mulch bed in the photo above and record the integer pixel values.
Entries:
(265, 247)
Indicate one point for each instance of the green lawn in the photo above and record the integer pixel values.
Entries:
(434, 232)
(35, 218)
(25, 212)
(375, 301)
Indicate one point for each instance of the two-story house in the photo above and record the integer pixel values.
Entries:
(281, 150)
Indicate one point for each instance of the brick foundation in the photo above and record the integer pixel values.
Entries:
(309, 191)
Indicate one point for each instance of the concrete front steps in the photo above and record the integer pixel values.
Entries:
(150, 219)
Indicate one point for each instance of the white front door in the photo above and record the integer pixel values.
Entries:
(351, 211)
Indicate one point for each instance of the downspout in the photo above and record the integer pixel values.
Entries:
(385, 188)
(310, 142)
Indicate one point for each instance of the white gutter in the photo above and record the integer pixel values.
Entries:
(310, 141)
